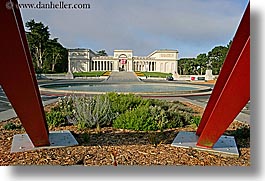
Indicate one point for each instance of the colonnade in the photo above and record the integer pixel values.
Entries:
(101, 65)
(144, 66)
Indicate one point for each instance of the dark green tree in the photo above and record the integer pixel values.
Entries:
(37, 37)
(185, 66)
(201, 63)
(102, 53)
(48, 55)
(229, 44)
(216, 58)
(56, 55)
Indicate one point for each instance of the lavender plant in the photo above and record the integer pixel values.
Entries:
(92, 111)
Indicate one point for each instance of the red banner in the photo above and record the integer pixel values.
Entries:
(123, 61)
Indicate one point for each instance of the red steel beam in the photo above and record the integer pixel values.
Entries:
(233, 98)
(239, 41)
(230, 94)
(17, 76)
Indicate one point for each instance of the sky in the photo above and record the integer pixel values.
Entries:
(190, 26)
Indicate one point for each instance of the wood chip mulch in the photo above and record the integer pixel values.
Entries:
(117, 147)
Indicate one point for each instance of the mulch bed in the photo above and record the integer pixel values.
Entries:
(121, 147)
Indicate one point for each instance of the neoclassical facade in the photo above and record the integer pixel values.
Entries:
(85, 60)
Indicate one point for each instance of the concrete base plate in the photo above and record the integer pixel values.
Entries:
(21, 142)
(226, 145)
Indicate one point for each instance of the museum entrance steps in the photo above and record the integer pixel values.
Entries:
(122, 77)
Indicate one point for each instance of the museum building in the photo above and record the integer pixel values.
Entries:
(85, 60)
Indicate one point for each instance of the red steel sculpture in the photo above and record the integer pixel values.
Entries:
(232, 89)
(17, 76)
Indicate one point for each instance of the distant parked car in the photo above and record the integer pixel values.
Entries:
(169, 78)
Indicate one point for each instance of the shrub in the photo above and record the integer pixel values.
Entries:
(92, 111)
(196, 120)
(65, 106)
(11, 126)
(151, 118)
(180, 107)
(242, 132)
(160, 116)
(120, 103)
(175, 120)
(55, 118)
(138, 119)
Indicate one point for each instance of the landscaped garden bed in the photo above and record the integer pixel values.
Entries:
(118, 134)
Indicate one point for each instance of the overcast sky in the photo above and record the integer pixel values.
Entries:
(190, 26)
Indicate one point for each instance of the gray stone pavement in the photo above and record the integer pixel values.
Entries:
(122, 77)
(10, 113)
(6, 109)
(4, 102)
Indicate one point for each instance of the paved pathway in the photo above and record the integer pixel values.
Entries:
(7, 111)
(4, 102)
(122, 77)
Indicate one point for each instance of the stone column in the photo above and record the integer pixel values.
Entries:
(176, 67)
(115, 65)
(130, 66)
(69, 63)
(88, 65)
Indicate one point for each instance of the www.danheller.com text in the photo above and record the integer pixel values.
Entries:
(49, 5)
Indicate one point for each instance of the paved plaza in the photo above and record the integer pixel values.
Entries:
(6, 109)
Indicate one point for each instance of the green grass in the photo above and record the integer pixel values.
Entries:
(156, 74)
(89, 74)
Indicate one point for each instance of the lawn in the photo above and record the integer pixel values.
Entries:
(89, 74)
(154, 74)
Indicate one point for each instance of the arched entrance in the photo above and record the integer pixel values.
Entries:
(123, 62)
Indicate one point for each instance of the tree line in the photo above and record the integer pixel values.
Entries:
(213, 60)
